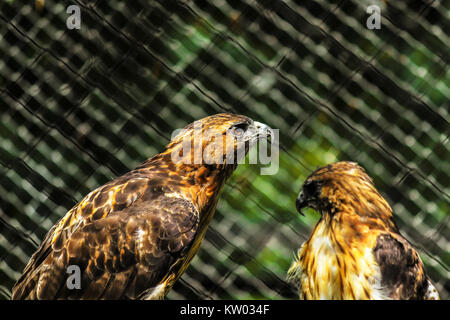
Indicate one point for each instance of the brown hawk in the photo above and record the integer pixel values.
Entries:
(134, 236)
(355, 251)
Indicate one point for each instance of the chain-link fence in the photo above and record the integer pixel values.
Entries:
(82, 106)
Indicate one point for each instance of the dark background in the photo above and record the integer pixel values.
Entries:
(80, 107)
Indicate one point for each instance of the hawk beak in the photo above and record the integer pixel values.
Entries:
(261, 130)
(300, 203)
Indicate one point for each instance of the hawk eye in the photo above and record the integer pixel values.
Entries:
(238, 129)
(242, 126)
(311, 189)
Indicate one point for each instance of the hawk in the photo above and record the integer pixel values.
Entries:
(133, 237)
(355, 251)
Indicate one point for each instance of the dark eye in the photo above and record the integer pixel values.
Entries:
(238, 129)
(311, 188)
(242, 126)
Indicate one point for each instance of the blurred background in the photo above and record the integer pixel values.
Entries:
(80, 107)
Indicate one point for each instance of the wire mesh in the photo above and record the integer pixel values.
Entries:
(80, 107)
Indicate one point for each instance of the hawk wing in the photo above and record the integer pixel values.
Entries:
(402, 271)
(123, 236)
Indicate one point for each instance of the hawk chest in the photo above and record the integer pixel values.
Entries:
(329, 270)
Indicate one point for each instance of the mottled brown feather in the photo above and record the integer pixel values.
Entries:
(134, 236)
(402, 271)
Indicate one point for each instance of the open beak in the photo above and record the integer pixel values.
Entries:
(300, 203)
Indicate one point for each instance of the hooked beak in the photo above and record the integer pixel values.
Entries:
(300, 203)
(255, 131)
(259, 130)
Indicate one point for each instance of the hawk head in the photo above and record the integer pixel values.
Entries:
(342, 187)
(219, 139)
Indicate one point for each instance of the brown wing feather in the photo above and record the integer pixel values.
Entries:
(402, 271)
(124, 237)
